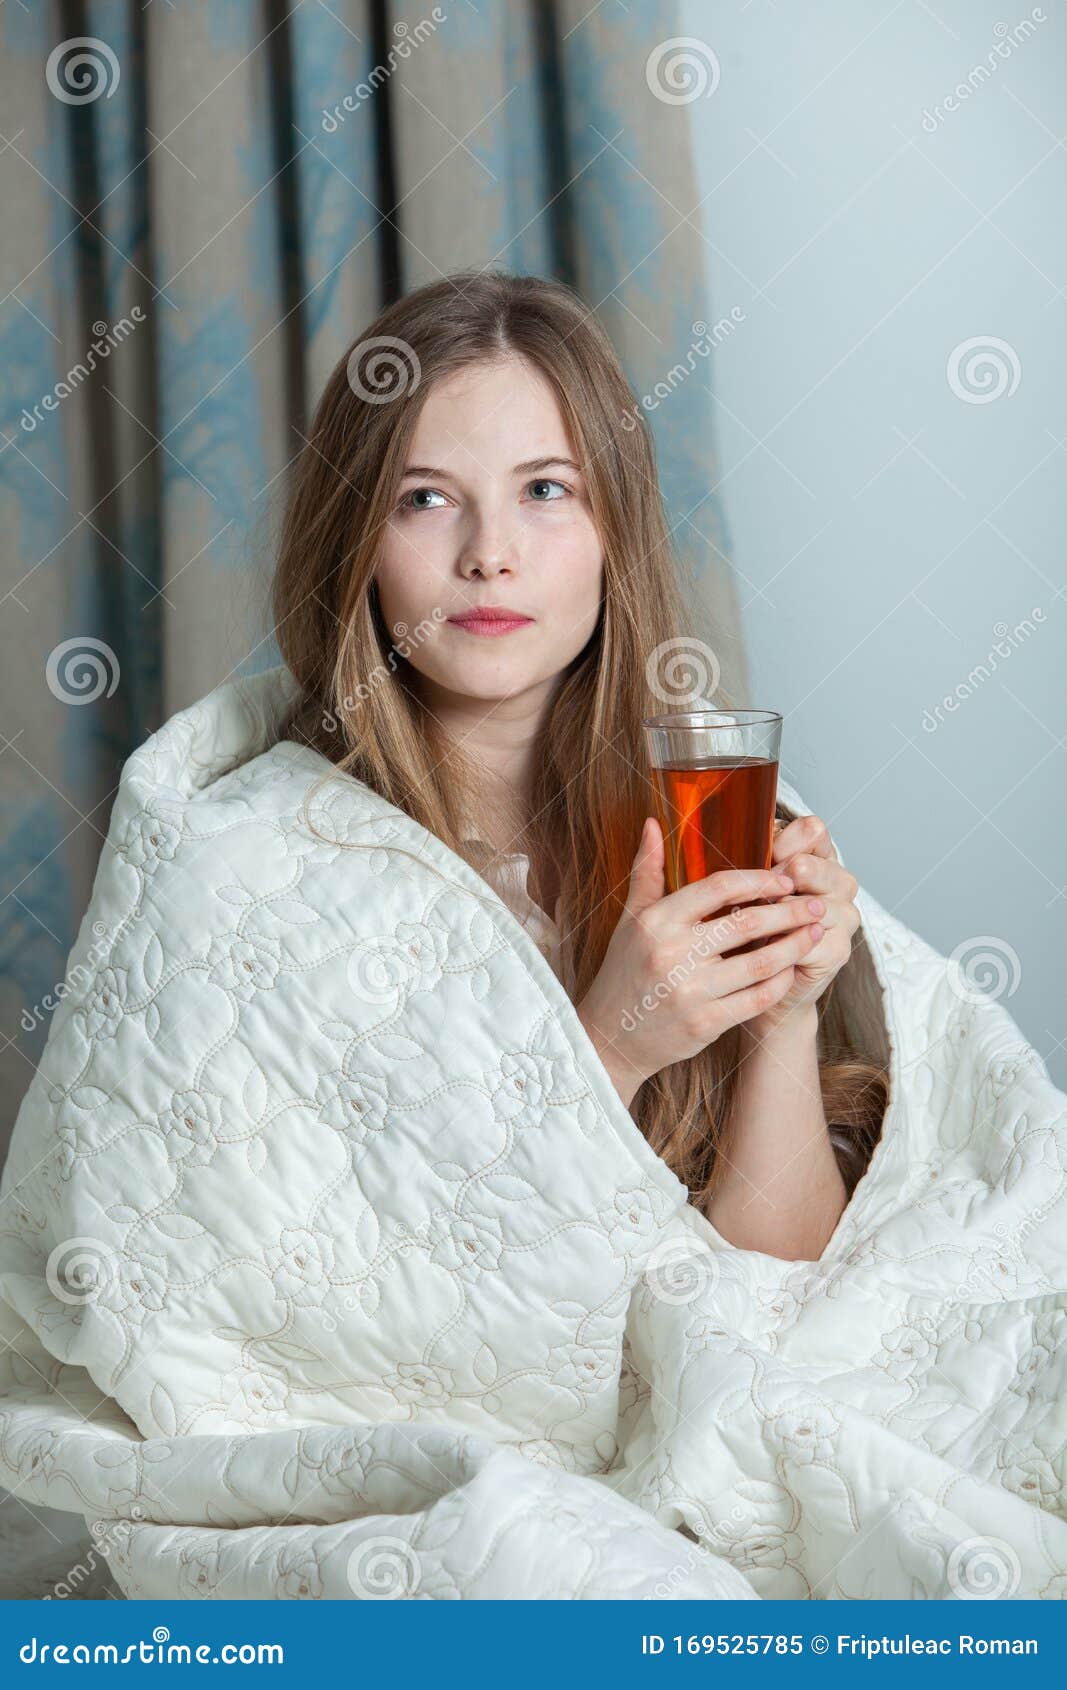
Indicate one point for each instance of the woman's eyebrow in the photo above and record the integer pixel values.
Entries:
(529, 468)
(546, 463)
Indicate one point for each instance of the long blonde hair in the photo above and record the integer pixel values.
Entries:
(360, 704)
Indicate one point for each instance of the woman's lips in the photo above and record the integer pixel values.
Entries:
(491, 624)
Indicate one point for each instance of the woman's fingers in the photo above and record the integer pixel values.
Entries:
(727, 932)
(806, 833)
(821, 876)
(753, 1000)
(721, 890)
(736, 973)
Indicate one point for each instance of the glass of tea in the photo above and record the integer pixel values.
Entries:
(715, 779)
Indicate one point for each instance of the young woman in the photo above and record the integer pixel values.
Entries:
(474, 571)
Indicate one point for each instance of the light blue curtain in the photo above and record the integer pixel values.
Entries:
(221, 194)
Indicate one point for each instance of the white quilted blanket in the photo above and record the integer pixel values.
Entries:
(332, 1265)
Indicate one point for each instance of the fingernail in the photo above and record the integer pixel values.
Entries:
(816, 933)
(786, 880)
(816, 906)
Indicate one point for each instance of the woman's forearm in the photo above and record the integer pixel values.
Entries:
(782, 1190)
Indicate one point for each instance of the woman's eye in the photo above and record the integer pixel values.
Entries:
(417, 499)
(418, 493)
(542, 483)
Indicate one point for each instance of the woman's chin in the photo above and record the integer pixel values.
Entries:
(486, 683)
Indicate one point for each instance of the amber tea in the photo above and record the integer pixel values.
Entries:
(715, 780)
(715, 815)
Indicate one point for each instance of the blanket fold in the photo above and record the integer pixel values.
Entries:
(331, 1263)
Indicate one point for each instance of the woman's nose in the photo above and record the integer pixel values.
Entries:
(489, 550)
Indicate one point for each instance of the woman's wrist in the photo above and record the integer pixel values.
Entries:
(623, 1076)
(792, 1027)
(782, 1191)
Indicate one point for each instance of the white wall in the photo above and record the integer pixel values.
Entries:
(885, 529)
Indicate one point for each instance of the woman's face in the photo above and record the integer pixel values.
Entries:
(493, 510)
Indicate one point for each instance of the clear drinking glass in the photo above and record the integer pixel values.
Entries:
(715, 781)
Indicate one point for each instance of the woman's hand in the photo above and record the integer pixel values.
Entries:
(803, 850)
(665, 989)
